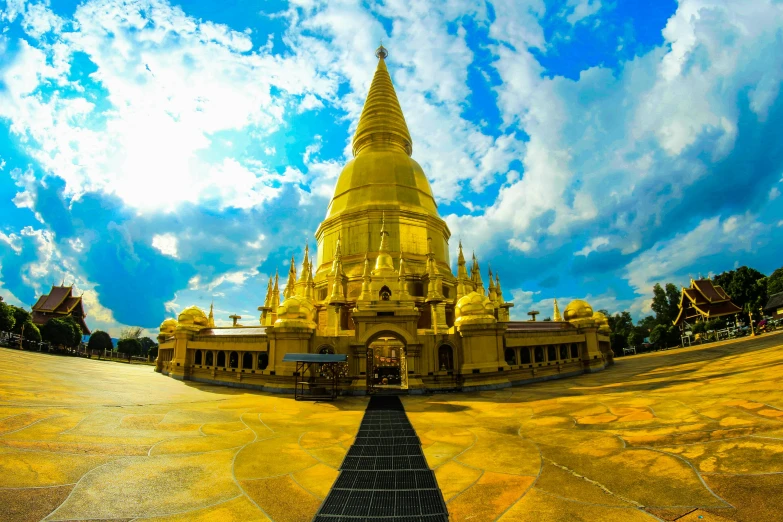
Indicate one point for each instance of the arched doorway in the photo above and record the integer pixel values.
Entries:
(445, 358)
(387, 366)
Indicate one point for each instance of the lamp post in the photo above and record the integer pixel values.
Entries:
(750, 319)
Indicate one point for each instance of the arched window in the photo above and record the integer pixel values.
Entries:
(263, 360)
(385, 293)
(551, 353)
(233, 360)
(445, 358)
(326, 350)
(511, 356)
(198, 357)
(524, 355)
(221, 359)
(564, 351)
(574, 351)
(247, 361)
(209, 359)
(538, 351)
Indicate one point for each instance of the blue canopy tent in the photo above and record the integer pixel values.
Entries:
(316, 387)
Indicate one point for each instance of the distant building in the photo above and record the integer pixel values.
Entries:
(58, 303)
(774, 306)
(704, 301)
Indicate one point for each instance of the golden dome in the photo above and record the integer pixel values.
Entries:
(578, 309)
(167, 329)
(296, 311)
(382, 172)
(474, 308)
(602, 321)
(192, 318)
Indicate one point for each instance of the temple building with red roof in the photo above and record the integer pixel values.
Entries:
(58, 303)
(703, 301)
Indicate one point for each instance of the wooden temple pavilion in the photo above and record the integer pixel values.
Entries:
(58, 303)
(703, 301)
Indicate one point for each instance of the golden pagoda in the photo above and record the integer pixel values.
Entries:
(381, 291)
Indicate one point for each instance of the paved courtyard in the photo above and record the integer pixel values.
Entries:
(693, 434)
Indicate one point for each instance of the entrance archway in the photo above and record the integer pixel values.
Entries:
(387, 365)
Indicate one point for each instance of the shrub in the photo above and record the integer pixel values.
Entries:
(100, 341)
(129, 346)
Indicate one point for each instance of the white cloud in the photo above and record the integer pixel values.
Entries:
(12, 240)
(579, 10)
(667, 260)
(168, 96)
(166, 244)
(594, 245)
(774, 192)
(522, 246)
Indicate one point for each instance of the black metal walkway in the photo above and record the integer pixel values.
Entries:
(384, 476)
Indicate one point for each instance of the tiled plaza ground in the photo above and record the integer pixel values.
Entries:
(694, 434)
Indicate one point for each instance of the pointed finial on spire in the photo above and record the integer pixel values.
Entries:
(381, 52)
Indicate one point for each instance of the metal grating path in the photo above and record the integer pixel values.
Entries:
(384, 476)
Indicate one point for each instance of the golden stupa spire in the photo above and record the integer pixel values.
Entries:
(268, 298)
(211, 315)
(556, 313)
(382, 124)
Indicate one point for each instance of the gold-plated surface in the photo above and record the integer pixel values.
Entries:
(382, 179)
(192, 318)
(578, 309)
(382, 123)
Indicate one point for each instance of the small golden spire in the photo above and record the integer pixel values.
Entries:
(384, 263)
(290, 285)
(211, 315)
(275, 293)
(556, 313)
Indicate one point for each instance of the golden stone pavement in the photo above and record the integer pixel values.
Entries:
(693, 434)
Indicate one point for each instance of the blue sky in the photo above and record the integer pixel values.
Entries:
(158, 155)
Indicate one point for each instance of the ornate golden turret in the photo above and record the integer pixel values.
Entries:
(402, 283)
(384, 265)
(275, 295)
(476, 276)
(493, 295)
(211, 316)
(366, 280)
(337, 269)
(382, 124)
(556, 313)
(290, 286)
(305, 265)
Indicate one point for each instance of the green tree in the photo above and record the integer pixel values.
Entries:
(673, 298)
(131, 332)
(146, 345)
(76, 331)
(635, 338)
(621, 322)
(100, 341)
(7, 320)
(58, 332)
(660, 304)
(665, 303)
(658, 335)
(31, 332)
(746, 286)
(21, 316)
(775, 282)
(646, 325)
(699, 328)
(129, 346)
